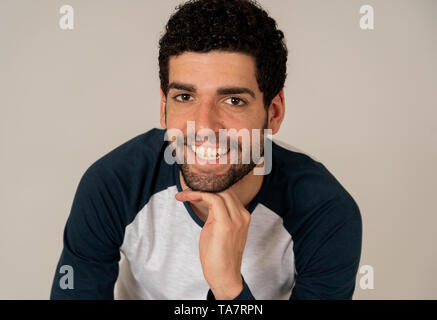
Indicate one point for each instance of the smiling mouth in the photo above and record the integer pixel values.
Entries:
(208, 153)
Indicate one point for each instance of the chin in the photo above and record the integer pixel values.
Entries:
(213, 182)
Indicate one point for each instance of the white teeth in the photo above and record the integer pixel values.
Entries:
(208, 153)
(201, 151)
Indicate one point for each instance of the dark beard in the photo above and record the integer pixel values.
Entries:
(215, 183)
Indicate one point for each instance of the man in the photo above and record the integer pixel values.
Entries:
(204, 229)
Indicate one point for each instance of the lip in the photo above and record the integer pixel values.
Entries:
(207, 145)
(207, 164)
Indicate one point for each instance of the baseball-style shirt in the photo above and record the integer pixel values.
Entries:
(304, 239)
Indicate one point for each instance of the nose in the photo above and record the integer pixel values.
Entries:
(207, 117)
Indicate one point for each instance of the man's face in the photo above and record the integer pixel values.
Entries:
(216, 90)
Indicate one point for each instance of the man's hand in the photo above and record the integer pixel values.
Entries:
(222, 240)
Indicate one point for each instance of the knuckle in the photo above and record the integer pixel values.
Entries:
(216, 200)
(246, 216)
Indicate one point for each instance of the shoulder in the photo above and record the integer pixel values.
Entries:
(132, 159)
(132, 153)
(309, 186)
(124, 177)
(322, 217)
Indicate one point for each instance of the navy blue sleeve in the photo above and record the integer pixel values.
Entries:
(330, 270)
(92, 237)
(245, 293)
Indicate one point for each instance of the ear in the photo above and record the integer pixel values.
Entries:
(276, 112)
(162, 109)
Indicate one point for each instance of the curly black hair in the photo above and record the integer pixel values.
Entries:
(227, 25)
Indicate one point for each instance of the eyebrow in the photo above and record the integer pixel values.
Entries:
(220, 91)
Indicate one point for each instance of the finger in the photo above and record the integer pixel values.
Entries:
(236, 199)
(242, 209)
(186, 196)
(217, 207)
(232, 205)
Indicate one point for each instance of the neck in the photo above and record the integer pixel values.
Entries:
(246, 189)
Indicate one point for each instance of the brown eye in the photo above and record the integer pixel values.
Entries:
(235, 101)
(183, 97)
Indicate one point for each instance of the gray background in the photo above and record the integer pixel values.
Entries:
(361, 102)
